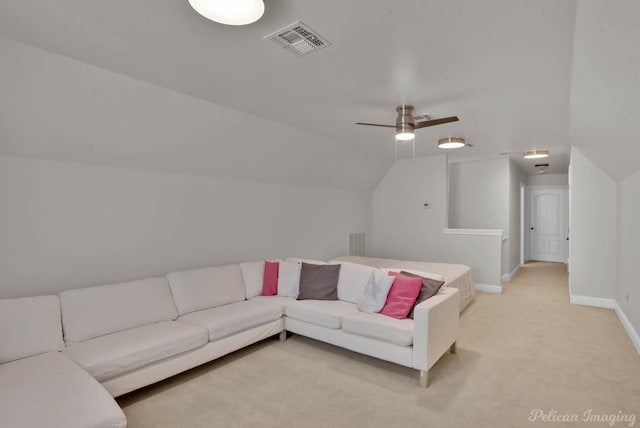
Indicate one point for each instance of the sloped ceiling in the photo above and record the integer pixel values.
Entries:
(237, 105)
(605, 95)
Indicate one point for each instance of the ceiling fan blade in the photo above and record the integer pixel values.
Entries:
(435, 122)
(376, 124)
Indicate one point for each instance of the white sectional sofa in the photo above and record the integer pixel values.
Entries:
(133, 334)
(39, 385)
(64, 357)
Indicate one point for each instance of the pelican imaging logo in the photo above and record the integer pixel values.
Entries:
(611, 419)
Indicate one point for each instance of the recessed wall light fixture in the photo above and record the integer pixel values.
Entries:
(229, 12)
(536, 154)
(451, 143)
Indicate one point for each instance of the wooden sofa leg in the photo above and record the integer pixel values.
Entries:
(424, 378)
(453, 348)
(283, 336)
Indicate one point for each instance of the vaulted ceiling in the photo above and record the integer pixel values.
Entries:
(151, 84)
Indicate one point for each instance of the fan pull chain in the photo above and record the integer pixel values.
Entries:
(413, 142)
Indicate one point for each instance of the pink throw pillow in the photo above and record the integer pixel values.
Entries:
(403, 294)
(270, 279)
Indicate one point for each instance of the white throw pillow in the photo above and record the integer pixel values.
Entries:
(353, 280)
(253, 277)
(375, 293)
(289, 279)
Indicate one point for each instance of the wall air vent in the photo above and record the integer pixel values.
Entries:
(298, 39)
(356, 244)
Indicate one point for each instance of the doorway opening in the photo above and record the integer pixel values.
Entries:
(544, 223)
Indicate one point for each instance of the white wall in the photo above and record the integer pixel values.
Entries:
(516, 177)
(628, 267)
(485, 194)
(402, 228)
(67, 225)
(479, 194)
(548, 180)
(593, 229)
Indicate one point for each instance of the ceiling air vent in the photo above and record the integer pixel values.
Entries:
(298, 39)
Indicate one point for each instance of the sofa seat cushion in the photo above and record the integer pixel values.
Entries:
(381, 327)
(108, 356)
(229, 319)
(50, 390)
(324, 313)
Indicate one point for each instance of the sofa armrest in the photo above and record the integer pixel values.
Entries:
(435, 327)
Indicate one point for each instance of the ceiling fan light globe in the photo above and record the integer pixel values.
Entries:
(229, 12)
(405, 136)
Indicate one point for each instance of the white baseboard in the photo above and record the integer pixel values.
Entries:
(508, 276)
(633, 334)
(598, 302)
(610, 304)
(494, 289)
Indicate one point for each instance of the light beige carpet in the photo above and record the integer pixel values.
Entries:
(523, 350)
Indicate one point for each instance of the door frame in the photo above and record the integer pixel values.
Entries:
(524, 251)
(526, 221)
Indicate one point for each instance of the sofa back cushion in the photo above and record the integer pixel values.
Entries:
(96, 311)
(353, 280)
(29, 326)
(205, 288)
(253, 278)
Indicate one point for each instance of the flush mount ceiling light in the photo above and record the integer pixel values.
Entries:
(229, 12)
(541, 167)
(536, 154)
(451, 143)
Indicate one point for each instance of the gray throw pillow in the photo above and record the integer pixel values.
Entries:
(319, 282)
(429, 288)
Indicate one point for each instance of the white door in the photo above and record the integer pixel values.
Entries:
(548, 232)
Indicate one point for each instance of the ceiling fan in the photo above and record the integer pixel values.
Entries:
(406, 125)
